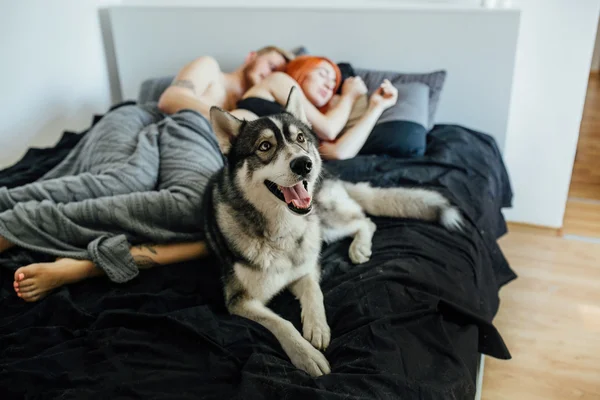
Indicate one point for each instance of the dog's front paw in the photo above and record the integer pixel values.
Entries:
(360, 251)
(304, 356)
(316, 330)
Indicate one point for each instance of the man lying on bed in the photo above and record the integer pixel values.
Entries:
(198, 86)
(128, 181)
(201, 84)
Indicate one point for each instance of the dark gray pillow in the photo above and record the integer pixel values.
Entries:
(399, 139)
(434, 80)
(300, 50)
(151, 89)
(401, 131)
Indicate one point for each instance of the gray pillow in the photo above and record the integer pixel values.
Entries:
(433, 80)
(412, 104)
(401, 131)
(151, 89)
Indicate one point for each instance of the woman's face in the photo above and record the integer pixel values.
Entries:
(319, 84)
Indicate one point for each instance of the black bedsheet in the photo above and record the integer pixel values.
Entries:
(406, 325)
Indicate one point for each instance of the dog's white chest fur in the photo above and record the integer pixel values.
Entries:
(263, 285)
(288, 251)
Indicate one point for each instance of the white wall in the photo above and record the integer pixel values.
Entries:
(596, 57)
(552, 66)
(53, 74)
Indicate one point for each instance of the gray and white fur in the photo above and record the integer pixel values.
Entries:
(277, 241)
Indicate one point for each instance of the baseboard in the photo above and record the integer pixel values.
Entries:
(479, 385)
(531, 228)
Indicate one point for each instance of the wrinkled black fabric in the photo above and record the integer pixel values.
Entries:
(406, 325)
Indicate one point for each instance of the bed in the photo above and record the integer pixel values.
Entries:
(411, 323)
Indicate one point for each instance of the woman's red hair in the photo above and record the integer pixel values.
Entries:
(301, 66)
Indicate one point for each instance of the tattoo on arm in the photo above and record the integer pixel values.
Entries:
(185, 83)
(145, 262)
(149, 247)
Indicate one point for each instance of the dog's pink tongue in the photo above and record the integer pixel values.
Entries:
(296, 194)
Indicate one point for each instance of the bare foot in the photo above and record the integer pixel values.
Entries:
(33, 282)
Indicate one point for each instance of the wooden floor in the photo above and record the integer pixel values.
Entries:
(550, 320)
(582, 218)
(582, 215)
(550, 315)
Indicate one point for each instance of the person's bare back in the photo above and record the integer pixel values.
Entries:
(201, 84)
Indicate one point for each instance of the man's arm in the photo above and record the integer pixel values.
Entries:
(189, 86)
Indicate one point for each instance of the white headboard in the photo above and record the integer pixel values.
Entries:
(476, 46)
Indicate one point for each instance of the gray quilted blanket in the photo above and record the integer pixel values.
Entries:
(138, 176)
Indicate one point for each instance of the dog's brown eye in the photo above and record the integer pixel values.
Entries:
(300, 138)
(264, 146)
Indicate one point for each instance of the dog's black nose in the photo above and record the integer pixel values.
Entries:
(301, 165)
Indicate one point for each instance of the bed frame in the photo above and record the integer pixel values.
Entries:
(476, 46)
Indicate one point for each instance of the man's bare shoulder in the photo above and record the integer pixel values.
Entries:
(198, 75)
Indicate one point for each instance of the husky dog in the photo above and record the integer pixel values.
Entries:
(273, 206)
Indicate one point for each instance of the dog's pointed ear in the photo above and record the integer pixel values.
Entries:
(294, 105)
(226, 127)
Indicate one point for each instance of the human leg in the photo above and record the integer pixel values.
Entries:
(33, 282)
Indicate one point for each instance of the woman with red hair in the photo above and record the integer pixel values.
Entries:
(319, 80)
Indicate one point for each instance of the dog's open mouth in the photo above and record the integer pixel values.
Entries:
(296, 197)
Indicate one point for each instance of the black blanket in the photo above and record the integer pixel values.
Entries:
(409, 324)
